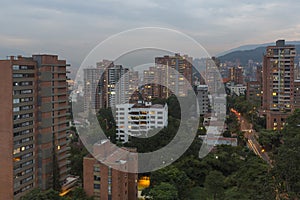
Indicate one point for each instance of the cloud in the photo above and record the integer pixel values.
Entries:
(73, 28)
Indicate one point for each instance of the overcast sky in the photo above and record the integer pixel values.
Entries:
(72, 28)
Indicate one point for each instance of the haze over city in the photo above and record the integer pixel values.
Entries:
(73, 28)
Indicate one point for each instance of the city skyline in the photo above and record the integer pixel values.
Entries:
(73, 30)
(148, 99)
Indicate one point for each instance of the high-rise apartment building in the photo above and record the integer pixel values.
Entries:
(91, 89)
(212, 75)
(171, 75)
(108, 85)
(203, 100)
(236, 75)
(152, 80)
(34, 124)
(278, 84)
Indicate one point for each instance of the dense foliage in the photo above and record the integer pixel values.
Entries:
(227, 173)
(287, 159)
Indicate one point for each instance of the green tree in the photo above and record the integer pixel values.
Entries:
(37, 194)
(164, 191)
(270, 139)
(214, 184)
(287, 160)
(253, 179)
(173, 176)
(77, 154)
(79, 194)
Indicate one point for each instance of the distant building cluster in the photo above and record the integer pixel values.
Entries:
(108, 84)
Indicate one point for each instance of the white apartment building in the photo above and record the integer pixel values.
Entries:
(138, 119)
(238, 89)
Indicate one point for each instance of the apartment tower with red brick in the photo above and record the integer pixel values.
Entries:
(278, 84)
(34, 123)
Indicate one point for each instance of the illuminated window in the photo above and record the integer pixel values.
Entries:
(17, 159)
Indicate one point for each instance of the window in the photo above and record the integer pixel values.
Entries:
(97, 178)
(15, 67)
(27, 163)
(17, 75)
(26, 99)
(26, 91)
(16, 101)
(96, 169)
(24, 172)
(23, 132)
(27, 155)
(26, 179)
(97, 186)
(16, 109)
(26, 107)
(28, 123)
(27, 187)
(26, 83)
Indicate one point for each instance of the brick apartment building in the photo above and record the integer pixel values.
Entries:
(106, 181)
(34, 124)
(278, 84)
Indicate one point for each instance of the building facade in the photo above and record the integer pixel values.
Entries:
(238, 89)
(109, 84)
(138, 119)
(91, 89)
(212, 75)
(278, 84)
(254, 90)
(104, 181)
(34, 124)
(297, 94)
(171, 75)
(203, 100)
(236, 75)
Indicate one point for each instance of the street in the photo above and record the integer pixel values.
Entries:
(250, 134)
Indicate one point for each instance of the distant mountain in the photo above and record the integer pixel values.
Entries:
(244, 55)
(251, 52)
